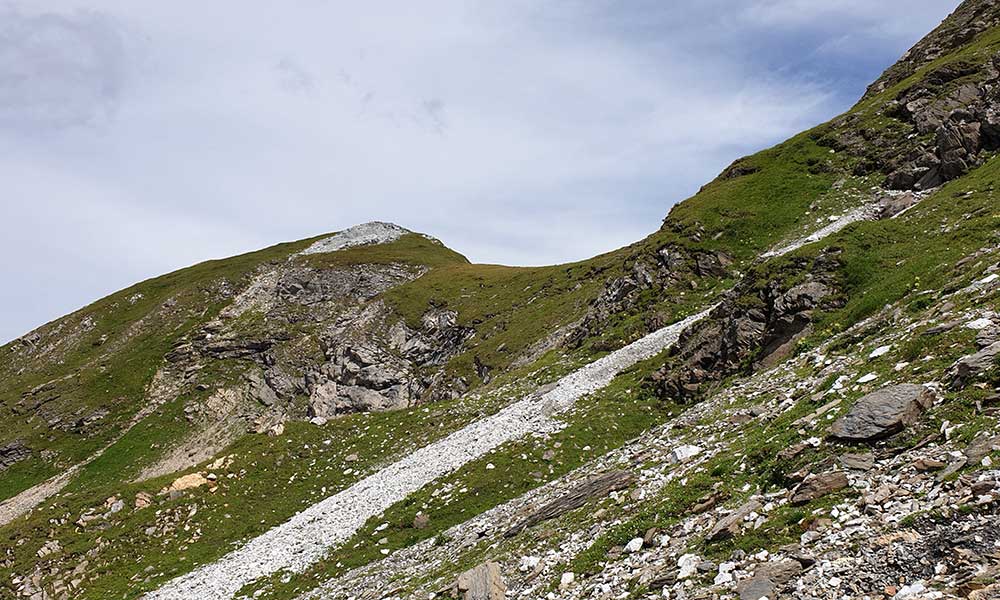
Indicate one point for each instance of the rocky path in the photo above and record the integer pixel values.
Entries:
(867, 212)
(307, 536)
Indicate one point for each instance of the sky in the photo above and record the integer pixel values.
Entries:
(140, 137)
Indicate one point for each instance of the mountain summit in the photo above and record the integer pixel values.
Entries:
(789, 389)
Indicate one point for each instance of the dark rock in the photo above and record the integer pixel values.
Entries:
(883, 413)
(739, 168)
(756, 588)
(941, 328)
(890, 206)
(596, 487)
(13, 452)
(757, 324)
(817, 486)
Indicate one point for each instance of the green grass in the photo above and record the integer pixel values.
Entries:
(291, 472)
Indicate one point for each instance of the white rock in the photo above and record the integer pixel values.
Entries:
(634, 545)
(978, 324)
(911, 591)
(566, 580)
(360, 235)
(684, 452)
(528, 563)
(867, 378)
(687, 565)
(880, 351)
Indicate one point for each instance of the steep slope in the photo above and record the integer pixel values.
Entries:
(855, 257)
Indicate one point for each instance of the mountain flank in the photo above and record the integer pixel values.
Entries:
(790, 389)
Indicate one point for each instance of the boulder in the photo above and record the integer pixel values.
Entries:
(883, 413)
(859, 462)
(972, 365)
(481, 583)
(983, 444)
(780, 571)
(323, 400)
(730, 525)
(756, 588)
(187, 482)
(817, 486)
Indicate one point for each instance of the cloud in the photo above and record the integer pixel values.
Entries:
(58, 70)
(292, 77)
(518, 132)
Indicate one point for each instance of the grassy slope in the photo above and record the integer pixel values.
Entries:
(138, 325)
(514, 307)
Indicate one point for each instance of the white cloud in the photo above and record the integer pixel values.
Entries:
(517, 132)
(58, 70)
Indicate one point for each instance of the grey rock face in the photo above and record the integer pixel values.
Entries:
(758, 319)
(756, 588)
(883, 413)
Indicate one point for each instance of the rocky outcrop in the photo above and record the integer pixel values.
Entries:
(946, 122)
(757, 323)
(386, 372)
(883, 413)
(12, 453)
(973, 365)
(970, 19)
(671, 267)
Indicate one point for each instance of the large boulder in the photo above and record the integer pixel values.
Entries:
(883, 413)
(481, 583)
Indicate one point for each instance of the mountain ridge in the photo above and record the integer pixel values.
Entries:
(847, 275)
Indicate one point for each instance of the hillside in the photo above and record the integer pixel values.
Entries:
(789, 389)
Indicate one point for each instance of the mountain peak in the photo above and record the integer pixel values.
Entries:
(365, 234)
